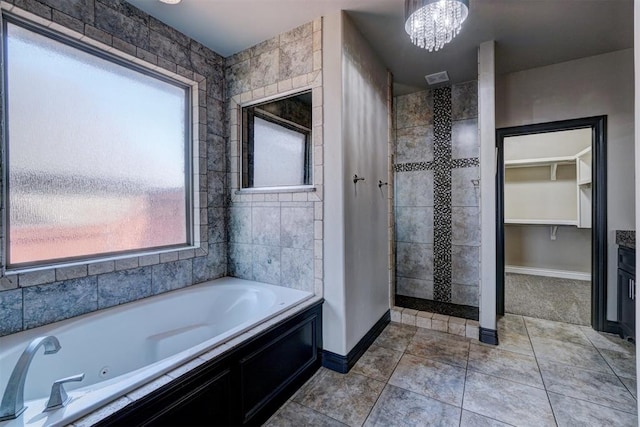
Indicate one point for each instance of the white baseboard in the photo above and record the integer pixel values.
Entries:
(560, 274)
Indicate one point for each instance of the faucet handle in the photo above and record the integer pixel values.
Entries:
(59, 397)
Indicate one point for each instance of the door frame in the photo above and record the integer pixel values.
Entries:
(598, 125)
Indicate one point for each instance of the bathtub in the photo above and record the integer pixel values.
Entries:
(121, 348)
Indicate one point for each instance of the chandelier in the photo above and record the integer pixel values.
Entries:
(434, 23)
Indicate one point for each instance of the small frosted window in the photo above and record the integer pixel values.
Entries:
(96, 154)
(276, 137)
(279, 155)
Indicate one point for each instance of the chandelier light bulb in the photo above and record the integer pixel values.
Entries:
(433, 23)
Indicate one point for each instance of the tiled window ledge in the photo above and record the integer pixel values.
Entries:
(437, 322)
(266, 190)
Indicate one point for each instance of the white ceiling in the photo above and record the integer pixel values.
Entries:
(528, 33)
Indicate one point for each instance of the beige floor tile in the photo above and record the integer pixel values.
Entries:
(396, 336)
(603, 340)
(400, 407)
(513, 341)
(596, 387)
(575, 412)
(377, 363)
(316, 377)
(293, 414)
(623, 364)
(505, 364)
(430, 378)
(507, 401)
(632, 386)
(513, 323)
(414, 376)
(587, 357)
(541, 328)
(471, 419)
(347, 398)
(440, 346)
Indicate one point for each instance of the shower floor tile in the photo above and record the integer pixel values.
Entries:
(542, 373)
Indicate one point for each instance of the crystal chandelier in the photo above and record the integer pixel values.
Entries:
(434, 23)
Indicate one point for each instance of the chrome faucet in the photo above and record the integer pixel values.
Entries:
(12, 405)
(59, 397)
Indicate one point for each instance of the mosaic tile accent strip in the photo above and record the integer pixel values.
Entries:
(465, 163)
(427, 166)
(415, 166)
(442, 194)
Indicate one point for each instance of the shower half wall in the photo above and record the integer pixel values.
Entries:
(437, 194)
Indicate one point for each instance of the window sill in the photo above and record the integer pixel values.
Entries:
(266, 190)
(12, 271)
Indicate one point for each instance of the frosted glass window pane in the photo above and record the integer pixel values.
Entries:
(279, 155)
(96, 154)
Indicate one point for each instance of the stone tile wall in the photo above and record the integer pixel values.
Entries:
(35, 298)
(276, 236)
(437, 228)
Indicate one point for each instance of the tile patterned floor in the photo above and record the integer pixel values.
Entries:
(543, 373)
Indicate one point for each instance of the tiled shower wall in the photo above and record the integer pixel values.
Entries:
(36, 298)
(437, 195)
(276, 236)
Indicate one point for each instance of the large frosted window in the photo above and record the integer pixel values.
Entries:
(97, 153)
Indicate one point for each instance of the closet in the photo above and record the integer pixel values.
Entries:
(549, 190)
(547, 225)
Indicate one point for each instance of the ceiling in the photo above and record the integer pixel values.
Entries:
(528, 33)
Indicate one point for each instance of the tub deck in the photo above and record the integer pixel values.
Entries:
(127, 347)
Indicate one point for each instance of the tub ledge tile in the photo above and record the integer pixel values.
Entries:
(102, 413)
(181, 370)
(150, 387)
(212, 354)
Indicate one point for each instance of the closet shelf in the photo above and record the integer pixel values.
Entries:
(532, 200)
(586, 151)
(541, 221)
(543, 161)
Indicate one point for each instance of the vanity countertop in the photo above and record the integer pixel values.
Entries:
(626, 238)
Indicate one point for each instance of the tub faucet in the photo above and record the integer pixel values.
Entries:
(12, 405)
(59, 397)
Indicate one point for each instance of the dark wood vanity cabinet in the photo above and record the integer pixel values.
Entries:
(627, 292)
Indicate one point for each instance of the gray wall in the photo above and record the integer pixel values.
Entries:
(365, 137)
(356, 239)
(435, 199)
(531, 246)
(275, 236)
(36, 298)
(597, 85)
(334, 307)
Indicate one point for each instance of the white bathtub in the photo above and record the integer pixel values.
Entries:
(124, 347)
